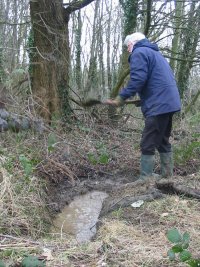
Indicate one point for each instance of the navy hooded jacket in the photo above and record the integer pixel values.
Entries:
(152, 78)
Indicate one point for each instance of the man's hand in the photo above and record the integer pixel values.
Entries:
(112, 102)
(117, 102)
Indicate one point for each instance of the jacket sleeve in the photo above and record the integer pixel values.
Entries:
(138, 74)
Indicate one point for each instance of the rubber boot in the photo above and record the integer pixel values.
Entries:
(147, 164)
(166, 160)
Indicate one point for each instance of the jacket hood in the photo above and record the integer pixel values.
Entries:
(145, 43)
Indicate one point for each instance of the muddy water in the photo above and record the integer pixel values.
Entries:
(79, 218)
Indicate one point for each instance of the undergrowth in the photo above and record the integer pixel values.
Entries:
(94, 147)
(188, 146)
(23, 195)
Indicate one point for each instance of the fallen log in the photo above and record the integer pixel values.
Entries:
(150, 190)
(126, 201)
(170, 187)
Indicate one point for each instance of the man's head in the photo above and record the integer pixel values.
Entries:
(132, 39)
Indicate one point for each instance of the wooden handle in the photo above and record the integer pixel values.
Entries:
(137, 103)
(94, 102)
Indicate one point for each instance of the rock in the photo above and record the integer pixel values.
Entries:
(18, 123)
(25, 123)
(38, 126)
(3, 125)
(4, 114)
(14, 123)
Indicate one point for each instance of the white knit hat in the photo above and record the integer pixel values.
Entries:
(134, 38)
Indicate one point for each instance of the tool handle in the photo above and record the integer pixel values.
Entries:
(137, 103)
(93, 102)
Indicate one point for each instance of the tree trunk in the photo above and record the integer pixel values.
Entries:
(130, 9)
(78, 72)
(108, 47)
(190, 43)
(101, 50)
(51, 58)
(92, 79)
(178, 19)
(14, 36)
(2, 74)
(148, 17)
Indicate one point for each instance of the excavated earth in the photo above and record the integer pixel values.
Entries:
(117, 184)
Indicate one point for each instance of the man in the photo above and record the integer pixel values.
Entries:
(152, 79)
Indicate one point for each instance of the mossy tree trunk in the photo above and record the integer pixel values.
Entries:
(93, 78)
(78, 32)
(51, 60)
(130, 10)
(190, 43)
(177, 21)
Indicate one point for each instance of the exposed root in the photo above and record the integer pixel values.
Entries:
(170, 187)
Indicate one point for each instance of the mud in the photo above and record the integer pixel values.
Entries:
(121, 188)
(80, 217)
(63, 193)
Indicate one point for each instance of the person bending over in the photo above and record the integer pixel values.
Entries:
(153, 80)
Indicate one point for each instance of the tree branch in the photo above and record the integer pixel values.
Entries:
(14, 24)
(76, 5)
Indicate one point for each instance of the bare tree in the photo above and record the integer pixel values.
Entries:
(177, 24)
(190, 38)
(78, 33)
(92, 70)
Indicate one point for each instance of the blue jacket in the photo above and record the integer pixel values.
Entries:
(152, 78)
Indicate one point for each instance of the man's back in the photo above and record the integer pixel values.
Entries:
(152, 78)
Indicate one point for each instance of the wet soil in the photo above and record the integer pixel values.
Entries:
(80, 217)
(63, 193)
(70, 172)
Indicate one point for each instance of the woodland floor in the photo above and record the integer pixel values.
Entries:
(104, 158)
(128, 236)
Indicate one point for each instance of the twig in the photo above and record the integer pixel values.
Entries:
(66, 170)
(98, 171)
(17, 238)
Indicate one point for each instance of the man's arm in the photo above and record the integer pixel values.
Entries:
(138, 78)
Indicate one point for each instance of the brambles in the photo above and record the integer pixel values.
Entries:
(32, 261)
(181, 244)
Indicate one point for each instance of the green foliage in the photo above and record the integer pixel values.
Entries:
(195, 119)
(26, 164)
(181, 244)
(24, 190)
(130, 9)
(31, 261)
(14, 254)
(174, 236)
(51, 142)
(117, 213)
(187, 152)
(100, 156)
(2, 264)
(15, 77)
(84, 129)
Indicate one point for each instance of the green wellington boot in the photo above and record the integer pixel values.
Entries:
(147, 164)
(166, 160)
